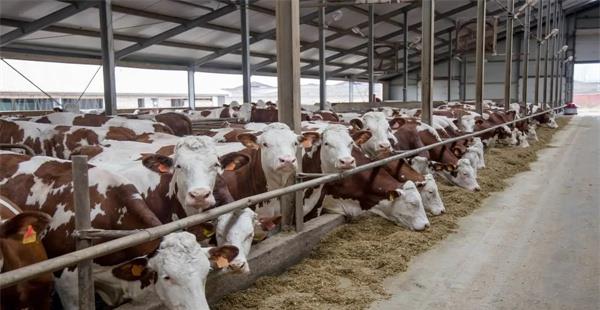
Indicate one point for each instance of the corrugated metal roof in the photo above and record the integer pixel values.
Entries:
(75, 39)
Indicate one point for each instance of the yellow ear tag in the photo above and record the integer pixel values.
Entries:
(30, 235)
(207, 233)
(391, 197)
(222, 262)
(136, 270)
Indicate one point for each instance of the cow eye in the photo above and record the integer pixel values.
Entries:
(326, 143)
(296, 143)
(218, 165)
(265, 144)
(178, 166)
(166, 278)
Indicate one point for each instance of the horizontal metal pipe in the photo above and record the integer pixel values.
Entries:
(145, 235)
(27, 149)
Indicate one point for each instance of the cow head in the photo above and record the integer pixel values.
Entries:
(178, 270)
(472, 155)
(431, 195)
(532, 133)
(278, 145)
(461, 175)
(195, 166)
(404, 207)
(237, 229)
(21, 235)
(381, 134)
(420, 164)
(336, 148)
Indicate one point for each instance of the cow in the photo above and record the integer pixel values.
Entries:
(93, 120)
(45, 184)
(382, 138)
(267, 163)
(20, 245)
(218, 113)
(179, 123)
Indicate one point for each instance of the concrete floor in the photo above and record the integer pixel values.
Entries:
(534, 246)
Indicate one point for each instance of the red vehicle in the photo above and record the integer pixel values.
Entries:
(571, 109)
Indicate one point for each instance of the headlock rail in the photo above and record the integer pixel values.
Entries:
(141, 236)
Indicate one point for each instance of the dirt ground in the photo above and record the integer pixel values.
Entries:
(347, 270)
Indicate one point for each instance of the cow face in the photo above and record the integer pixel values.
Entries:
(405, 208)
(463, 175)
(178, 270)
(237, 229)
(336, 148)
(378, 145)
(532, 133)
(430, 196)
(420, 164)
(466, 123)
(194, 166)
(278, 145)
(472, 155)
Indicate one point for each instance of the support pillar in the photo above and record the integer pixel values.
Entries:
(450, 61)
(526, 55)
(108, 57)
(245, 33)
(479, 56)
(371, 51)
(322, 61)
(427, 28)
(191, 88)
(405, 58)
(508, 51)
(547, 45)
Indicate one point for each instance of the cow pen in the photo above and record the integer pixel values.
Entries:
(83, 256)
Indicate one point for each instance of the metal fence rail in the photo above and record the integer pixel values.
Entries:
(145, 235)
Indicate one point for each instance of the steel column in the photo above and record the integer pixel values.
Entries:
(554, 51)
(526, 55)
(351, 90)
(427, 22)
(540, 14)
(108, 57)
(371, 52)
(245, 32)
(450, 58)
(508, 51)
(546, 43)
(288, 91)
(405, 59)
(322, 61)
(463, 79)
(559, 56)
(479, 56)
(191, 88)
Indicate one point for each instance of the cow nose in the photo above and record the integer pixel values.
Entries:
(477, 188)
(384, 145)
(427, 225)
(200, 193)
(347, 161)
(287, 159)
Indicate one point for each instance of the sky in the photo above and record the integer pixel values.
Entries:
(61, 77)
(587, 72)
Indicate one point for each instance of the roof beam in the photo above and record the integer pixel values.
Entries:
(41, 23)
(262, 36)
(175, 31)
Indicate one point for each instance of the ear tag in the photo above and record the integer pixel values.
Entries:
(207, 232)
(391, 197)
(230, 167)
(136, 270)
(221, 262)
(29, 236)
(163, 168)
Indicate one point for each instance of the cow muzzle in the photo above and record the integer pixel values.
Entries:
(200, 198)
(286, 163)
(345, 163)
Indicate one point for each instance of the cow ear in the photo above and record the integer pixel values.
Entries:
(158, 163)
(248, 140)
(361, 137)
(397, 122)
(420, 185)
(234, 161)
(202, 231)
(457, 152)
(478, 121)
(436, 166)
(456, 121)
(220, 257)
(270, 223)
(134, 270)
(309, 138)
(450, 167)
(357, 124)
(26, 226)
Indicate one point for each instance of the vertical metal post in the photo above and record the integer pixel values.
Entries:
(540, 15)
(518, 47)
(288, 91)
(479, 56)
(191, 88)
(245, 32)
(405, 58)
(508, 50)
(322, 60)
(572, 63)
(427, 28)
(526, 55)
(371, 51)
(559, 44)
(450, 62)
(351, 89)
(81, 199)
(553, 50)
(108, 57)
(546, 43)
(463, 79)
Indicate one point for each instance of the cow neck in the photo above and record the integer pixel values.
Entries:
(257, 174)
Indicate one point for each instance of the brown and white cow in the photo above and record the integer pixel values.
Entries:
(45, 184)
(139, 126)
(20, 246)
